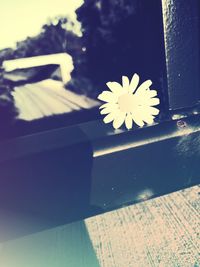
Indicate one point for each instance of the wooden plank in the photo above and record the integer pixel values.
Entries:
(160, 232)
(48, 97)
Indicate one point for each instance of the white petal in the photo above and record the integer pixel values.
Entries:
(154, 101)
(152, 93)
(146, 114)
(104, 105)
(108, 96)
(143, 98)
(134, 83)
(110, 109)
(148, 119)
(110, 117)
(129, 121)
(119, 120)
(137, 119)
(105, 111)
(144, 86)
(153, 111)
(115, 87)
(125, 82)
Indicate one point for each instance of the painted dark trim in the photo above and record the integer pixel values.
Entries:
(182, 45)
(95, 144)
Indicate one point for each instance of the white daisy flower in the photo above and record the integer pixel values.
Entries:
(129, 103)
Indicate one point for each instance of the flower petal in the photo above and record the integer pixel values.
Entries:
(108, 96)
(119, 120)
(129, 121)
(115, 87)
(153, 111)
(105, 111)
(148, 119)
(137, 118)
(144, 86)
(143, 98)
(154, 101)
(111, 108)
(110, 117)
(148, 110)
(152, 93)
(134, 83)
(125, 82)
(104, 105)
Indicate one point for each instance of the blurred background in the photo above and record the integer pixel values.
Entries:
(105, 40)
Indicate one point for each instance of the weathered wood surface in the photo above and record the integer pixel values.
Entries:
(163, 232)
(160, 232)
(48, 97)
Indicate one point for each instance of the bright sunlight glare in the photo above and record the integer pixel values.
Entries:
(21, 18)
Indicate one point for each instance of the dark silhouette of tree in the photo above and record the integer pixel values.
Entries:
(8, 112)
(122, 37)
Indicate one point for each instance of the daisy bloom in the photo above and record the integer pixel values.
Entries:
(128, 103)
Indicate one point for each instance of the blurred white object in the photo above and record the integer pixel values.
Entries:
(48, 97)
(64, 60)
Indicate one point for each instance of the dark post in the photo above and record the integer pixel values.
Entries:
(182, 45)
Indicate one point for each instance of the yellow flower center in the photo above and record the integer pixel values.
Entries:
(126, 102)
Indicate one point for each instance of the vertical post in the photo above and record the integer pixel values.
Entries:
(182, 46)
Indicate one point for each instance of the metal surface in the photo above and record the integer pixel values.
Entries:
(57, 176)
(132, 166)
(182, 45)
(45, 179)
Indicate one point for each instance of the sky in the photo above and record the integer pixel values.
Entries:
(22, 18)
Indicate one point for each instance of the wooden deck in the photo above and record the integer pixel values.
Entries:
(48, 97)
(162, 232)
